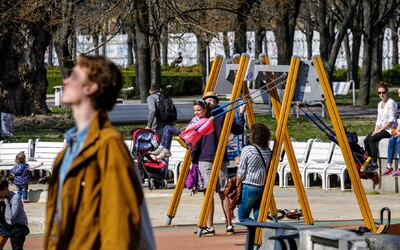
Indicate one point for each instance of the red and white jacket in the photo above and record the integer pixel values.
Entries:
(196, 129)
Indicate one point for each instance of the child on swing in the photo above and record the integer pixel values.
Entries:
(200, 125)
(360, 156)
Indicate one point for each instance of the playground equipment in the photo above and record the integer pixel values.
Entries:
(216, 73)
(306, 80)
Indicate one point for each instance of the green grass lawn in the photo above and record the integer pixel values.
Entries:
(301, 128)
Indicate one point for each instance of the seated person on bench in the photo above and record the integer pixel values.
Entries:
(177, 60)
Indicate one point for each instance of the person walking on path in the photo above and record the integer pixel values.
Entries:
(386, 117)
(153, 122)
(95, 199)
(204, 153)
(253, 170)
(22, 175)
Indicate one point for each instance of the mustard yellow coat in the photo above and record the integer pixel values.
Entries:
(101, 195)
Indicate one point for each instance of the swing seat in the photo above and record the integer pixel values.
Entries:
(297, 105)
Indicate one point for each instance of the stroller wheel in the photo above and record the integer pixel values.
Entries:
(164, 184)
(151, 184)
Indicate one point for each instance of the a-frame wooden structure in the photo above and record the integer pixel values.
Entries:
(281, 138)
(214, 74)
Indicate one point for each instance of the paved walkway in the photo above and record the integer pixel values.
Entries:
(344, 111)
(326, 207)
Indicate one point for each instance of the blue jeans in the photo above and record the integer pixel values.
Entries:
(169, 131)
(250, 200)
(23, 191)
(393, 141)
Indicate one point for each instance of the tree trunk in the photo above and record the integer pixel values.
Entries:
(284, 34)
(376, 63)
(309, 39)
(50, 54)
(323, 32)
(130, 48)
(155, 60)
(347, 52)
(143, 48)
(355, 56)
(65, 62)
(395, 42)
(259, 38)
(164, 45)
(365, 79)
(23, 82)
(104, 44)
(72, 46)
(95, 38)
(225, 42)
(240, 35)
(202, 43)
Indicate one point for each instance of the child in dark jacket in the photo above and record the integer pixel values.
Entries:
(13, 223)
(22, 175)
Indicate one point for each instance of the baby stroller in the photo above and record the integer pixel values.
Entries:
(144, 141)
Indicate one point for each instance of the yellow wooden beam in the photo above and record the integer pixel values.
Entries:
(223, 140)
(282, 136)
(185, 166)
(344, 145)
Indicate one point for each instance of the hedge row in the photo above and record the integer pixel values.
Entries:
(391, 76)
(177, 84)
(189, 83)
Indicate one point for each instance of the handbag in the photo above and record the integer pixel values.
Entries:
(233, 191)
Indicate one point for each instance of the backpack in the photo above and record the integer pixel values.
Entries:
(192, 176)
(166, 111)
(194, 180)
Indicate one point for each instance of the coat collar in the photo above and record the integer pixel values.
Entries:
(99, 121)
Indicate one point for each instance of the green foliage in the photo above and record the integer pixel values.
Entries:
(392, 76)
(339, 75)
(54, 79)
(181, 84)
(66, 110)
(187, 82)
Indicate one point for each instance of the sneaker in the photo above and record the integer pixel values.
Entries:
(397, 173)
(164, 154)
(157, 151)
(208, 231)
(388, 171)
(230, 230)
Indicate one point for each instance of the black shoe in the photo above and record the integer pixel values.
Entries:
(206, 232)
(230, 230)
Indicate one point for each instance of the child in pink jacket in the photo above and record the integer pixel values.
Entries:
(200, 125)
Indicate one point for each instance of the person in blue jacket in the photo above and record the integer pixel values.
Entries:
(22, 174)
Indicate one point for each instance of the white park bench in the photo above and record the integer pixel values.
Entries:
(342, 88)
(8, 151)
(47, 152)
